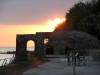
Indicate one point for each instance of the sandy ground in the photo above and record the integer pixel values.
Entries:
(56, 67)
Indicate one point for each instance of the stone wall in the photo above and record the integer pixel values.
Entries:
(21, 44)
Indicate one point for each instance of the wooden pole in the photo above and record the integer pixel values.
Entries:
(73, 61)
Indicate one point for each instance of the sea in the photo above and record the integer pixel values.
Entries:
(4, 50)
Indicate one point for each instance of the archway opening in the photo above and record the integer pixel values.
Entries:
(47, 48)
(30, 49)
(46, 40)
(30, 45)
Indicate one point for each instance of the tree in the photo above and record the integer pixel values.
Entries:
(60, 27)
(84, 17)
(91, 24)
(76, 13)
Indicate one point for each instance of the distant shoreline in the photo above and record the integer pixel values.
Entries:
(13, 52)
(8, 52)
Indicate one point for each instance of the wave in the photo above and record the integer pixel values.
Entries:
(10, 49)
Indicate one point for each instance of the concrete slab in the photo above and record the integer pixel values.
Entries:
(56, 67)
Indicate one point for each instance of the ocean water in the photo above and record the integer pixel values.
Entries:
(6, 49)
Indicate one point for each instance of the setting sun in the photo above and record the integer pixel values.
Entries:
(56, 21)
(53, 23)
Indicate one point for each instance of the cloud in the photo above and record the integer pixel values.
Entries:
(32, 11)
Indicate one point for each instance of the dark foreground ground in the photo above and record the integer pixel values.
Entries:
(56, 67)
(17, 68)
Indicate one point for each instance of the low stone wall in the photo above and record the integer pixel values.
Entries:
(95, 53)
(96, 56)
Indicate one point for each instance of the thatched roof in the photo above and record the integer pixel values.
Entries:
(75, 40)
(78, 39)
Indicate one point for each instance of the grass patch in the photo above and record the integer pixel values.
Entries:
(14, 67)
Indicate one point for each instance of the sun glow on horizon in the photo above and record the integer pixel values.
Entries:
(9, 32)
(53, 23)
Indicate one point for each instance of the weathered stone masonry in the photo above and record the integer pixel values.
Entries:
(21, 44)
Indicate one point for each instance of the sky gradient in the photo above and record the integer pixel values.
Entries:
(29, 17)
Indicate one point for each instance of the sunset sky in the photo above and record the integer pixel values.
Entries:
(29, 17)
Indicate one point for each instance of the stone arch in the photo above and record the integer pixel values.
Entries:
(40, 40)
(21, 44)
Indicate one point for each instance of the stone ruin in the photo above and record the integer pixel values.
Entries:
(21, 44)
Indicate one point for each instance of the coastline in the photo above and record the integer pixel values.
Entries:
(14, 52)
(8, 52)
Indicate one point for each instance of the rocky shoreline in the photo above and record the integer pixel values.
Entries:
(13, 52)
(8, 52)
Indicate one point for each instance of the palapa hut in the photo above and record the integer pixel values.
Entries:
(75, 40)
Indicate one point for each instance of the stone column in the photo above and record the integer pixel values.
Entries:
(21, 49)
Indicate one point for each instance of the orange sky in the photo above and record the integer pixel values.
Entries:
(8, 32)
(30, 16)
